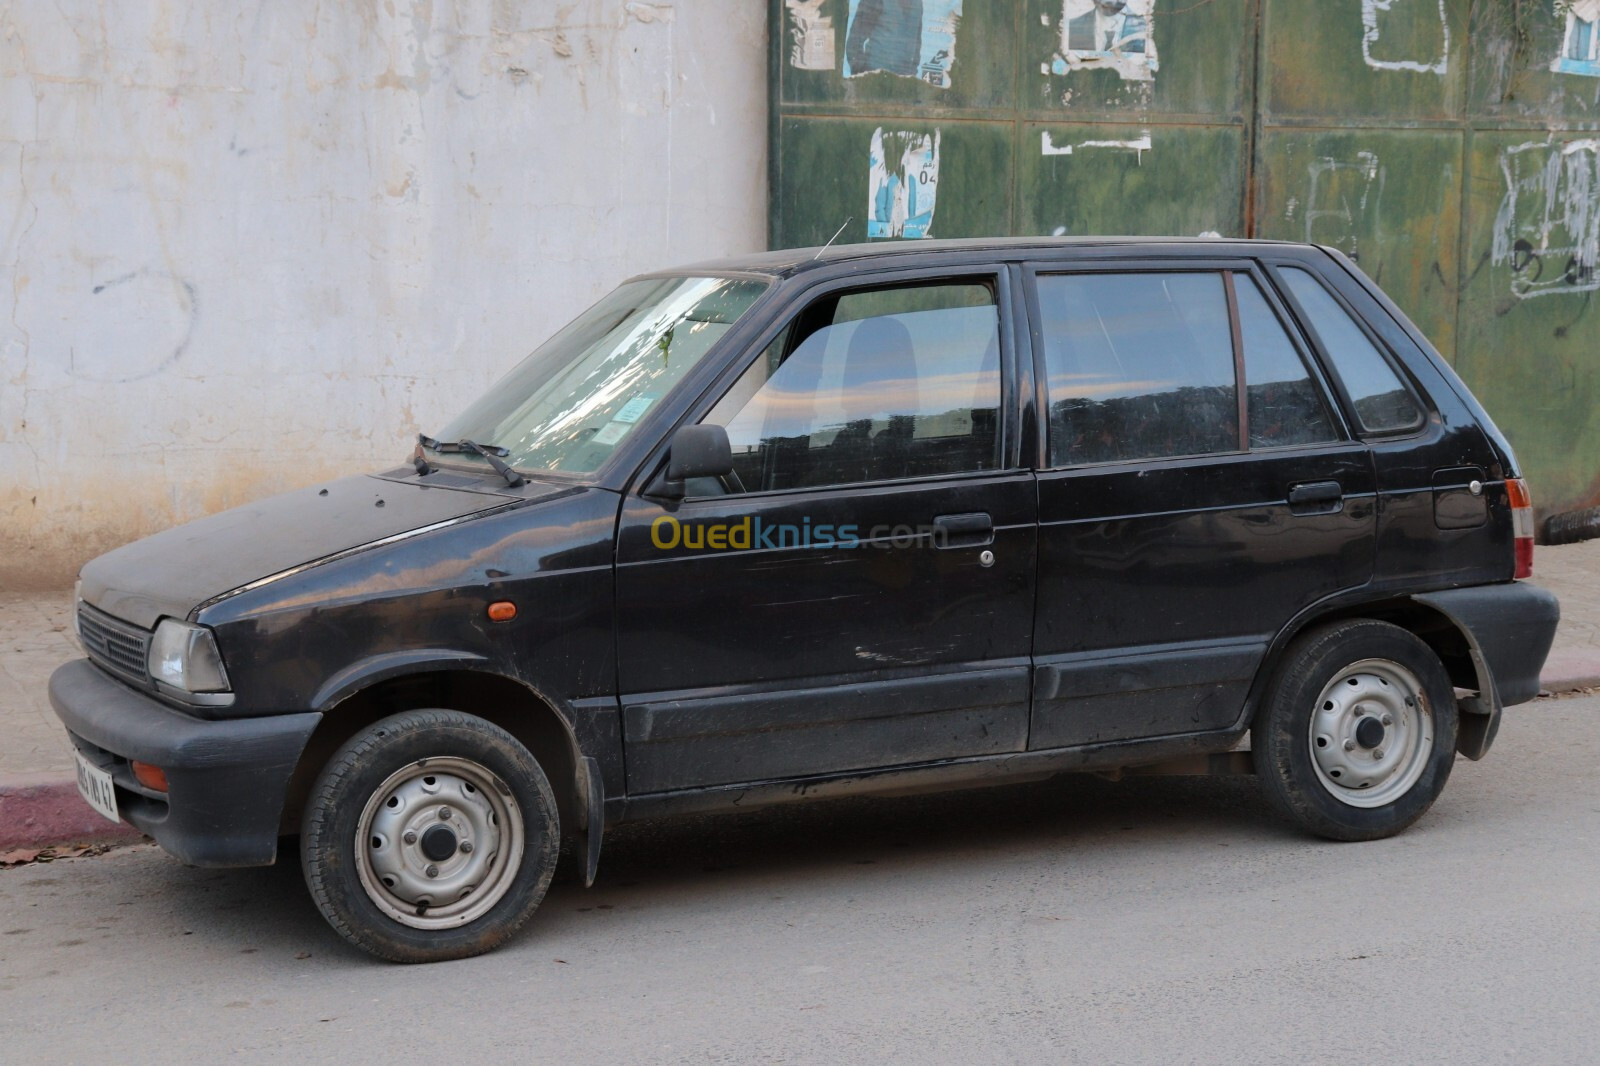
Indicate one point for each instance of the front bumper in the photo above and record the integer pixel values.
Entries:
(227, 779)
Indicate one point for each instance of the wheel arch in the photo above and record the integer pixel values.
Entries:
(460, 685)
(1429, 625)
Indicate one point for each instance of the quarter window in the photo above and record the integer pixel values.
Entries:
(873, 385)
(1139, 366)
(1382, 403)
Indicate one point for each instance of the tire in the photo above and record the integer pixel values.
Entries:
(430, 835)
(1356, 733)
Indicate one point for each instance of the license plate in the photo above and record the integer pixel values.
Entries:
(94, 784)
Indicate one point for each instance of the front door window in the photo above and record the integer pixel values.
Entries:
(879, 385)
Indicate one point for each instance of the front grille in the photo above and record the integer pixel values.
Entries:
(114, 644)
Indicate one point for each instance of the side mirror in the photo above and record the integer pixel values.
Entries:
(699, 451)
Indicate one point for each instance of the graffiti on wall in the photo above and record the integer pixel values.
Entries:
(1114, 35)
(812, 33)
(902, 183)
(1548, 227)
(1397, 48)
(1342, 202)
(911, 38)
(1580, 45)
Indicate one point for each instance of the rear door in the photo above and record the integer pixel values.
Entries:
(1200, 490)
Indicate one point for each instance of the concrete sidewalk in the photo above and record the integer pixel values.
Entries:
(39, 804)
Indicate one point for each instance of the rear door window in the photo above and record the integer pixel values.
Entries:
(1285, 404)
(1139, 365)
(1381, 401)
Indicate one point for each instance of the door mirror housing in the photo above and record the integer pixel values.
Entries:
(695, 452)
(699, 451)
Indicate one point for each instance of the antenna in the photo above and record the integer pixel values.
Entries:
(835, 237)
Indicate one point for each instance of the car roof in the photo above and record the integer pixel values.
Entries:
(785, 262)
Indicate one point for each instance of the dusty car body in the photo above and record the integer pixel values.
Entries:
(1027, 567)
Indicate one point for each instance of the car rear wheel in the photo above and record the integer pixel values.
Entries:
(430, 835)
(1356, 734)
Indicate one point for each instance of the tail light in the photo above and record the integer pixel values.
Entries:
(1521, 525)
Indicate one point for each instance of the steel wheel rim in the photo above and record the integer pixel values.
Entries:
(1371, 700)
(402, 836)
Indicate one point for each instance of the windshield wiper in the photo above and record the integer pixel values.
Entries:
(491, 452)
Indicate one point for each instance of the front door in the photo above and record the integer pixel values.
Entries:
(860, 593)
(1201, 491)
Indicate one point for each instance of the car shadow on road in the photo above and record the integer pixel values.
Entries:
(805, 846)
(820, 838)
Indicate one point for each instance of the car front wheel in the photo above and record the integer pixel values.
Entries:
(1356, 735)
(430, 835)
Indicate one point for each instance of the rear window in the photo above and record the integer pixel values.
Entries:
(1382, 402)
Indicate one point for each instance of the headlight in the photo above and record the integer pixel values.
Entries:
(185, 656)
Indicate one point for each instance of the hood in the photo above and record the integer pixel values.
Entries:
(178, 569)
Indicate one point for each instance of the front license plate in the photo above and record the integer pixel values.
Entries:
(95, 786)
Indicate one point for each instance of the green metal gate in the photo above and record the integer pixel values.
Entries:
(1450, 146)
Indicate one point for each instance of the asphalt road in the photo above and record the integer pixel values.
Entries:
(1075, 920)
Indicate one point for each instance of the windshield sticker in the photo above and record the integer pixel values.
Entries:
(610, 433)
(900, 201)
(911, 38)
(633, 409)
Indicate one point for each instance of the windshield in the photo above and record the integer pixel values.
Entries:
(568, 405)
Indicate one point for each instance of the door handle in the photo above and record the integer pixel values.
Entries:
(963, 530)
(1314, 496)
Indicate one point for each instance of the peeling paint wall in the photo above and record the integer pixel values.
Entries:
(1451, 146)
(248, 246)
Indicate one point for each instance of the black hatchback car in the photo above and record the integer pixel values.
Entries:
(807, 524)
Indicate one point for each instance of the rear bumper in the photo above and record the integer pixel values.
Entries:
(227, 779)
(1510, 628)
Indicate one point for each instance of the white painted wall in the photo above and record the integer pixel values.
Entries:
(246, 246)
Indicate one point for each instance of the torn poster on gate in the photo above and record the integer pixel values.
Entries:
(1114, 35)
(1580, 45)
(902, 183)
(911, 38)
(813, 36)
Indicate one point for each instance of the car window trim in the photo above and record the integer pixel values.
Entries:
(802, 298)
(1396, 366)
(1192, 458)
(1241, 387)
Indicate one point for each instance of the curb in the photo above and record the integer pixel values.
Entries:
(1570, 671)
(47, 812)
